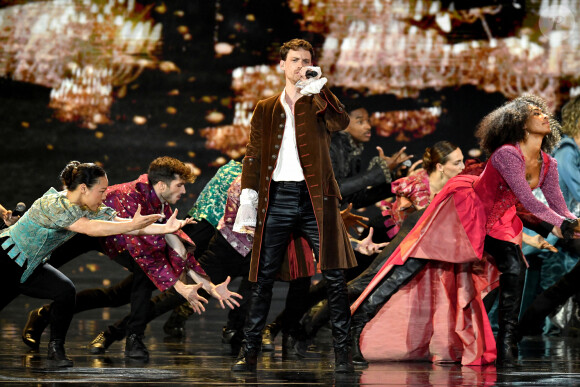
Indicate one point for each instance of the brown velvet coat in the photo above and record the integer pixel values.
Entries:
(315, 117)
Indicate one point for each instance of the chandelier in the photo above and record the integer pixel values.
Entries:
(81, 49)
(373, 45)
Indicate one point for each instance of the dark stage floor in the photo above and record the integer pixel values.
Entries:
(201, 359)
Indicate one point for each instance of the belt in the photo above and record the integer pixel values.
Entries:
(290, 183)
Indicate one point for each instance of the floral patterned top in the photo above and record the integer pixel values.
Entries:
(241, 242)
(211, 201)
(43, 228)
(161, 263)
(414, 188)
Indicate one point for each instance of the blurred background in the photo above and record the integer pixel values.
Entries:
(121, 82)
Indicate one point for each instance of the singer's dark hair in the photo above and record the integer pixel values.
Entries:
(295, 44)
(437, 154)
(167, 169)
(77, 173)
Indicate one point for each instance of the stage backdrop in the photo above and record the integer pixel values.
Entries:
(120, 82)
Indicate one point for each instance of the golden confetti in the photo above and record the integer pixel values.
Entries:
(250, 17)
(189, 131)
(25, 124)
(182, 29)
(162, 8)
(167, 67)
(139, 120)
(50, 147)
(171, 143)
(215, 117)
(179, 13)
(106, 282)
(99, 135)
(219, 17)
(163, 125)
(100, 164)
(187, 37)
(122, 92)
(223, 48)
(92, 267)
(221, 160)
(191, 79)
(195, 170)
(171, 110)
(173, 92)
(191, 154)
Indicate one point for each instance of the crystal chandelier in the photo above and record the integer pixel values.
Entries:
(81, 49)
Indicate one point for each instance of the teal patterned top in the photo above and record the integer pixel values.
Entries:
(43, 228)
(211, 202)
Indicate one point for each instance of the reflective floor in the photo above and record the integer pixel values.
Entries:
(201, 359)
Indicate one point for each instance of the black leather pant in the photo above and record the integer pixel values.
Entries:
(290, 212)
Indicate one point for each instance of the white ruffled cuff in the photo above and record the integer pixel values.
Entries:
(312, 86)
(247, 212)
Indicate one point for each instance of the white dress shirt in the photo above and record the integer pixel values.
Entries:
(288, 167)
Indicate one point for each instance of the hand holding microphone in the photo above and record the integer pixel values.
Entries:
(313, 83)
(11, 217)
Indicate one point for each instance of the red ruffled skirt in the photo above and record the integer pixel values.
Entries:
(439, 315)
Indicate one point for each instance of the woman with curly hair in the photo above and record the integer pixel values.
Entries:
(471, 214)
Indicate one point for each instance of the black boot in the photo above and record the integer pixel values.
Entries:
(36, 324)
(57, 355)
(175, 324)
(135, 348)
(247, 360)
(339, 308)
(356, 328)
(101, 343)
(269, 335)
(343, 361)
(509, 260)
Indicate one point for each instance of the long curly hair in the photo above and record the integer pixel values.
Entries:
(506, 124)
(571, 117)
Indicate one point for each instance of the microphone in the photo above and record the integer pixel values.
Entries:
(311, 73)
(19, 210)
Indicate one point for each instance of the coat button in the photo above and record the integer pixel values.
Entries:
(263, 210)
(270, 167)
(267, 178)
(279, 136)
(281, 126)
(259, 223)
(282, 115)
(265, 199)
(274, 156)
(276, 146)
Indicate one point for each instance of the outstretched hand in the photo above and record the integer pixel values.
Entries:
(368, 247)
(189, 292)
(141, 221)
(173, 224)
(396, 159)
(224, 295)
(352, 220)
(538, 242)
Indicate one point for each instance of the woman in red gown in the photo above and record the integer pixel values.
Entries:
(470, 214)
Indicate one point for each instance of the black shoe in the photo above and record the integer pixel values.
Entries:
(100, 343)
(175, 326)
(357, 357)
(343, 361)
(36, 324)
(246, 361)
(56, 354)
(135, 348)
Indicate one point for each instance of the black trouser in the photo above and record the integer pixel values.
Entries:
(219, 261)
(290, 212)
(46, 282)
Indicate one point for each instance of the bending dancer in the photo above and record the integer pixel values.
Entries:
(288, 187)
(469, 212)
(53, 219)
(161, 262)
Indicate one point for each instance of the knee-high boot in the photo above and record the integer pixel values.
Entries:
(397, 277)
(339, 309)
(247, 359)
(510, 262)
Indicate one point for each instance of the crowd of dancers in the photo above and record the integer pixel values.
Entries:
(422, 276)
